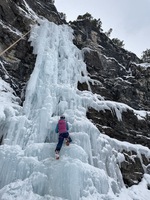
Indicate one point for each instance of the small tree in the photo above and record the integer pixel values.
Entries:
(146, 55)
(95, 23)
(108, 33)
(62, 15)
(87, 16)
(118, 42)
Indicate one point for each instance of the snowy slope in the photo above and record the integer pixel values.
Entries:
(89, 167)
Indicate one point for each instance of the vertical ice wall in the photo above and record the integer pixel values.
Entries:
(86, 166)
(52, 88)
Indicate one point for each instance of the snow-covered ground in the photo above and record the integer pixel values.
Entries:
(89, 168)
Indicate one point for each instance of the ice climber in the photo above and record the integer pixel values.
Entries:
(62, 128)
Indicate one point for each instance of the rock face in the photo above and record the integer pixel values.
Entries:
(16, 19)
(116, 74)
(118, 78)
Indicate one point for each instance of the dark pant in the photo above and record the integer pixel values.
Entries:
(61, 138)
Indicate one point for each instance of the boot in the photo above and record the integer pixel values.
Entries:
(57, 155)
(67, 142)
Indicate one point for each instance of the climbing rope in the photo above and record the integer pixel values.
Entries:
(14, 43)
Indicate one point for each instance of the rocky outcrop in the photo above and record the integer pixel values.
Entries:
(117, 76)
(117, 71)
(16, 19)
(129, 129)
(133, 168)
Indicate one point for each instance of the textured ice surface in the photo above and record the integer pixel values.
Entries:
(89, 167)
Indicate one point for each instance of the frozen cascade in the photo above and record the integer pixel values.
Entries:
(88, 168)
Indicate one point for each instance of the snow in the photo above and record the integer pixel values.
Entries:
(89, 168)
(8, 105)
(30, 13)
(11, 29)
(144, 65)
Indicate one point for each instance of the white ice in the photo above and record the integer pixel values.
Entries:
(89, 168)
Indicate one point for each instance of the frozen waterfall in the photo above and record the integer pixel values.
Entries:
(88, 168)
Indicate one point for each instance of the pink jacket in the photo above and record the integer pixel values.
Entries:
(62, 126)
